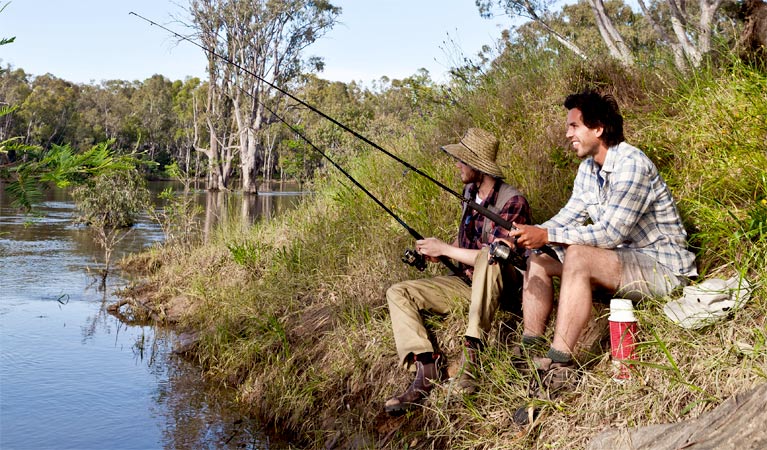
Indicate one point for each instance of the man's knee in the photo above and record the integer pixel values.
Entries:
(542, 265)
(600, 266)
(396, 293)
(577, 255)
(535, 261)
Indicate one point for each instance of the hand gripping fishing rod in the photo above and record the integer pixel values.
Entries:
(408, 254)
(503, 223)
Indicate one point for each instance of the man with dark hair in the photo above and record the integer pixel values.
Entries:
(620, 232)
(475, 159)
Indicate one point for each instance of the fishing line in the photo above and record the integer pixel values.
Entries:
(503, 223)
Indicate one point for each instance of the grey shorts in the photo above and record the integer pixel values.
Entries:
(642, 276)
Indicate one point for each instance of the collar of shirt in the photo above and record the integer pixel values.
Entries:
(611, 160)
(490, 199)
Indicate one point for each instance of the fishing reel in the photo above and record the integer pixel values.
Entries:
(415, 259)
(501, 253)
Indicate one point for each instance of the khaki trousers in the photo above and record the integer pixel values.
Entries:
(440, 295)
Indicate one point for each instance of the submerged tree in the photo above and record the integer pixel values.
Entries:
(108, 189)
(265, 40)
(109, 204)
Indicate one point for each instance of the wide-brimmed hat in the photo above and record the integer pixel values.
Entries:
(707, 302)
(477, 149)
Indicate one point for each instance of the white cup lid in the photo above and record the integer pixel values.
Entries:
(621, 310)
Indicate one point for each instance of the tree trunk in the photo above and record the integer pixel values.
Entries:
(679, 59)
(215, 174)
(269, 147)
(753, 42)
(738, 423)
(705, 25)
(249, 164)
(610, 35)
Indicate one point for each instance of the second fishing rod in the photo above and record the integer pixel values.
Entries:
(500, 221)
(410, 257)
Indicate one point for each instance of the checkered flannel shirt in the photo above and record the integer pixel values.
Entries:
(516, 210)
(632, 207)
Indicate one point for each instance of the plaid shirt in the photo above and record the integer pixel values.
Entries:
(630, 207)
(470, 232)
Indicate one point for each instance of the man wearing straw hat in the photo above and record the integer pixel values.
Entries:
(475, 159)
(619, 232)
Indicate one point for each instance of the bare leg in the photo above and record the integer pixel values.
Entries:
(584, 268)
(538, 293)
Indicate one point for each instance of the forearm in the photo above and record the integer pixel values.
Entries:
(435, 248)
(463, 255)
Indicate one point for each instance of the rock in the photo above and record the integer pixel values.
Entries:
(738, 423)
(186, 342)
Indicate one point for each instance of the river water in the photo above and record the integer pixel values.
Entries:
(74, 377)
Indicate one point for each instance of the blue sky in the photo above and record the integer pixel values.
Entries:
(93, 40)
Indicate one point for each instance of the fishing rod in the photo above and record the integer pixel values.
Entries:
(411, 257)
(503, 223)
(473, 205)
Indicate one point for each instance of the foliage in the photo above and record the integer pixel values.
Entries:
(301, 160)
(720, 179)
(49, 110)
(155, 116)
(63, 166)
(179, 214)
(111, 199)
(178, 218)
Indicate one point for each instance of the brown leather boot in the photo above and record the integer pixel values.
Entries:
(551, 380)
(425, 376)
(555, 378)
(466, 381)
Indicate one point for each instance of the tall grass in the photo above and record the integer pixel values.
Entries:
(292, 314)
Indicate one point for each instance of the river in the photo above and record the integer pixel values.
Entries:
(74, 377)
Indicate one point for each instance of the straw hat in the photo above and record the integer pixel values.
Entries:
(477, 149)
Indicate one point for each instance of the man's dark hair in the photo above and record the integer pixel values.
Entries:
(599, 111)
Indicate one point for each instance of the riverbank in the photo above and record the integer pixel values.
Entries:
(292, 312)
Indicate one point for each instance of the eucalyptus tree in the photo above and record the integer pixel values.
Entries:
(152, 111)
(209, 26)
(265, 38)
(103, 113)
(14, 89)
(49, 110)
(686, 29)
(188, 103)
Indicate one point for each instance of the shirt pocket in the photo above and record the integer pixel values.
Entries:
(593, 206)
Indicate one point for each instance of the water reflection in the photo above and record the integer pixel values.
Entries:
(73, 376)
(226, 208)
